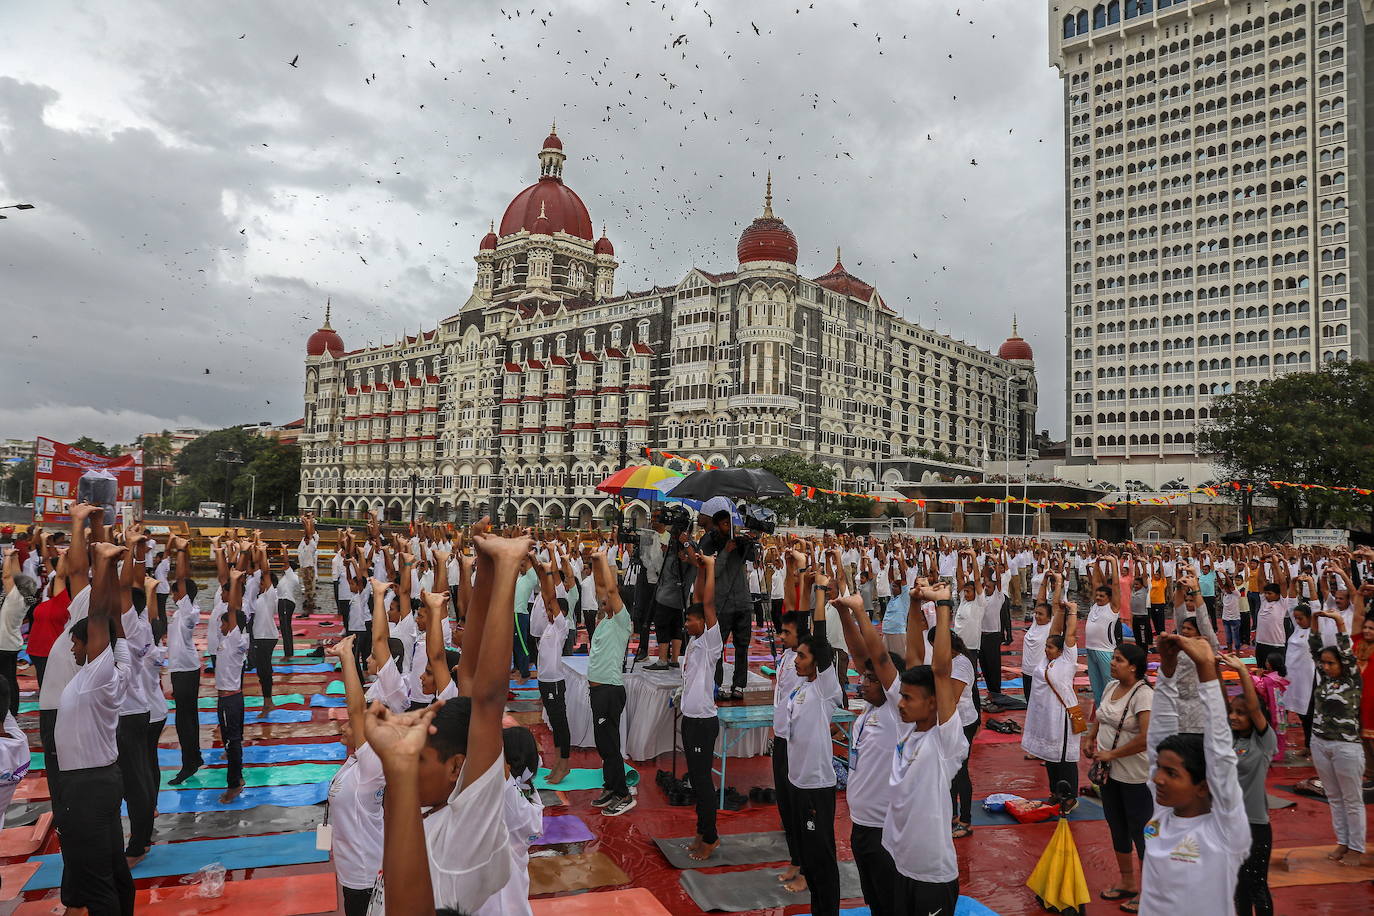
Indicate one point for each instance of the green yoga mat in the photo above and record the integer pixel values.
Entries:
(581, 779)
(299, 774)
(335, 689)
(283, 699)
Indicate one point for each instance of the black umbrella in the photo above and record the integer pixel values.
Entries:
(736, 483)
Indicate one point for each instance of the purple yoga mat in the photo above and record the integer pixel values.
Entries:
(562, 828)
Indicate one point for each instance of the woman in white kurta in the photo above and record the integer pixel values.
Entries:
(1301, 671)
(1047, 733)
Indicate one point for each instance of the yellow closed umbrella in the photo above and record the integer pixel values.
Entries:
(1058, 880)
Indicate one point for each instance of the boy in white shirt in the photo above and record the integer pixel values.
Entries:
(700, 721)
(550, 626)
(233, 651)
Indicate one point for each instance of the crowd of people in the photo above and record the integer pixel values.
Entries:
(434, 808)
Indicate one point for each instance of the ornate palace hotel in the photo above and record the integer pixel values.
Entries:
(546, 380)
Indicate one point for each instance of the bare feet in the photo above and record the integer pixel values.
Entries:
(1338, 853)
(134, 860)
(703, 851)
(559, 772)
(789, 874)
(230, 794)
(796, 885)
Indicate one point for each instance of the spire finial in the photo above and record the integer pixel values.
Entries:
(1013, 325)
(553, 128)
(541, 210)
(491, 225)
(837, 255)
(603, 230)
(327, 302)
(768, 197)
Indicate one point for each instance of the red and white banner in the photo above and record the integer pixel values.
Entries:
(57, 473)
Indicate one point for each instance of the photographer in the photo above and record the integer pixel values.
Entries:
(644, 566)
(675, 578)
(733, 599)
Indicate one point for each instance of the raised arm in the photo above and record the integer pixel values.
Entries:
(353, 688)
(947, 689)
(489, 687)
(398, 739)
(381, 627)
(1253, 706)
(436, 605)
(79, 554)
(916, 623)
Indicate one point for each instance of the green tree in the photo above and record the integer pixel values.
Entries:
(1308, 427)
(157, 449)
(203, 476)
(826, 510)
(18, 481)
(87, 444)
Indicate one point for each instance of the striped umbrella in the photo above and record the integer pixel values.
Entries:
(637, 482)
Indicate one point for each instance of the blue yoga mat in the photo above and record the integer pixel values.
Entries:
(234, 853)
(324, 668)
(250, 716)
(179, 801)
(324, 751)
(1087, 810)
(1006, 685)
(320, 701)
(967, 907)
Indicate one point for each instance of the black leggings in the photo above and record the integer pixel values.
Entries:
(1252, 884)
(699, 747)
(131, 736)
(553, 694)
(1127, 806)
(1062, 771)
(355, 901)
(783, 790)
(608, 704)
(95, 872)
(1143, 634)
(813, 820)
(9, 663)
(926, 898)
(961, 786)
(262, 661)
(877, 872)
(186, 696)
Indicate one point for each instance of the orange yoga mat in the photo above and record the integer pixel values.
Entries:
(1303, 865)
(634, 902)
(299, 895)
(24, 841)
(583, 871)
(32, 789)
(14, 877)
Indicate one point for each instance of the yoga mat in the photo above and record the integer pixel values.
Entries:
(32, 788)
(251, 797)
(1305, 865)
(580, 779)
(583, 871)
(562, 828)
(1006, 685)
(320, 701)
(322, 668)
(24, 841)
(336, 689)
(552, 799)
(966, 906)
(1003, 701)
(202, 825)
(26, 815)
(255, 717)
(1275, 803)
(281, 699)
(734, 849)
(636, 900)
(166, 859)
(1088, 809)
(14, 877)
(260, 754)
(757, 889)
(298, 895)
(298, 774)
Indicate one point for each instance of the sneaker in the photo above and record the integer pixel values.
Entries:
(604, 799)
(657, 666)
(674, 664)
(618, 806)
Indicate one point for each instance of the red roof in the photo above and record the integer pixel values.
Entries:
(562, 208)
(325, 339)
(1015, 348)
(552, 141)
(643, 348)
(603, 246)
(843, 282)
(767, 239)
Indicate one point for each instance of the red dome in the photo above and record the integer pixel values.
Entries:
(552, 142)
(1015, 348)
(326, 338)
(488, 242)
(767, 239)
(563, 209)
(603, 246)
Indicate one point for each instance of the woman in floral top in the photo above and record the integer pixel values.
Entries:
(1336, 749)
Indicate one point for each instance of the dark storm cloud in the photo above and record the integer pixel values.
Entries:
(199, 198)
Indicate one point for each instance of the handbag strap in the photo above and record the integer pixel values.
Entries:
(1050, 684)
(1125, 714)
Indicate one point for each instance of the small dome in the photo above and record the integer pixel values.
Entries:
(562, 208)
(325, 339)
(767, 238)
(1015, 348)
(489, 240)
(552, 141)
(603, 245)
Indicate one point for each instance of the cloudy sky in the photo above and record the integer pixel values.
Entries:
(197, 198)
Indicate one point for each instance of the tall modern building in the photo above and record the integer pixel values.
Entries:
(546, 379)
(1215, 208)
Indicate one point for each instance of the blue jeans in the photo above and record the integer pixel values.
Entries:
(1232, 634)
(1099, 672)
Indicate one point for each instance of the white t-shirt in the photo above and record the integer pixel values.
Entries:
(1269, 629)
(14, 759)
(62, 666)
(306, 553)
(1098, 634)
(524, 818)
(359, 612)
(469, 844)
(181, 637)
(968, 622)
(916, 825)
(11, 620)
(217, 611)
(777, 581)
(355, 810)
(265, 615)
(963, 671)
(390, 687)
(872, 741)
(552, 634)
(233, 649)
(160, 573)
(786, 679)
(1230, 605)
(289, 587)
(992, 612)
(89, 711)
(810, 756)
(138, 637)
(1033, 647)
(698, 674)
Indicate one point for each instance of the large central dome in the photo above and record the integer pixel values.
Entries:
(558, 203)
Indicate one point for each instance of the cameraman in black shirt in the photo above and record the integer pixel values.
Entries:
(733, 599)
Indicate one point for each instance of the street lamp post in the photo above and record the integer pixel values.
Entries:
(229, 458)
(14, 207)
(252, 494)
(414, 482)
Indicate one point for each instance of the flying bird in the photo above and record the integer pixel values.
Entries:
(679, 40)
(292, 61)
(756, 29)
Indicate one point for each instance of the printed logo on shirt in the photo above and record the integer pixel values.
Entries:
(1187, 851)
(1152, 830)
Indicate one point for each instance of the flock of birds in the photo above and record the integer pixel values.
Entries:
(653, 95)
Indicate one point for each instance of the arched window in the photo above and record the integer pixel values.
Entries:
(1068, 26)
(1099, 16)
(1082, 24)
(1114, 12)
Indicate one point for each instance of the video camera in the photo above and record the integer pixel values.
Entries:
(676, 518)
(759, 518)
(624, 534)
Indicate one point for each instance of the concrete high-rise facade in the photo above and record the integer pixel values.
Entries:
(1215, 208)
